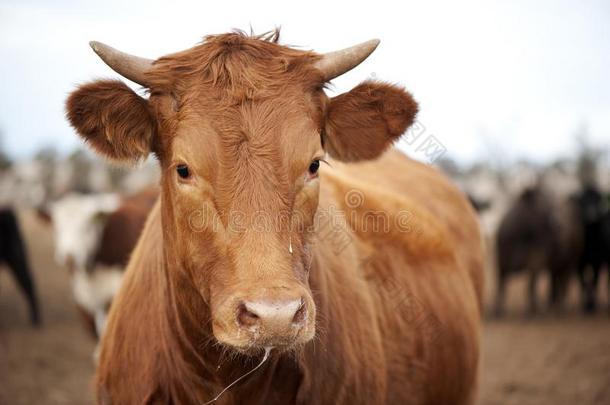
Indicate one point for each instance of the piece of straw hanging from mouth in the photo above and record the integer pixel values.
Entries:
(265, 357)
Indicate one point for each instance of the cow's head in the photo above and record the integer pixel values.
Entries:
(240, 125)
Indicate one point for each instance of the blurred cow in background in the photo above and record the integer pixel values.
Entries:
(595, 222)
(540, 232)
(94, 236)
(13, 254)
(529, 220)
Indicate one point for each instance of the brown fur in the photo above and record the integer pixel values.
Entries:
(247, 115)
(367, 114)
(123, 227)
(112, 119)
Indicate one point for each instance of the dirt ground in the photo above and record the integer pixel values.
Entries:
(546, 359)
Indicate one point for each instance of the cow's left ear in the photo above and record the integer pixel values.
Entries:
(116, 122)
(363, 122)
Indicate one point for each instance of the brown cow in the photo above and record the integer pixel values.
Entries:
(234, 261)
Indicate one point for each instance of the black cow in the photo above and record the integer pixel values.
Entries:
(538, 234)
(595, 220)
(13, 254)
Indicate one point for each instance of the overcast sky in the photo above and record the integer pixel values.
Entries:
(519, 78)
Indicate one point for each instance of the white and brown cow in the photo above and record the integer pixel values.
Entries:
(94, 236)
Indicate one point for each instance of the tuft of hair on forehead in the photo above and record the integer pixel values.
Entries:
(237, 67)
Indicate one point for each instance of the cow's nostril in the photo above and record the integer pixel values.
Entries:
(246, 317)
(301, 314)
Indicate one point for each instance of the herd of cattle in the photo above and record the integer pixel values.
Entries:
(553, 220)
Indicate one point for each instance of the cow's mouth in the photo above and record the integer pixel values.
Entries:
(251, 342)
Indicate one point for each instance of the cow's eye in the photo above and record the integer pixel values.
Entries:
(314, 166)
(183, 171)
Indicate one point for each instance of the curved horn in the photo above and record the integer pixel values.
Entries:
(336, 63)
(128, 66)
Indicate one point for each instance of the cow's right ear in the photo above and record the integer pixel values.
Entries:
(113, 119)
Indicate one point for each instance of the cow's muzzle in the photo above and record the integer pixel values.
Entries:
(277, 318)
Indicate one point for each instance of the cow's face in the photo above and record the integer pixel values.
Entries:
(78, 222)
(240, 185)
(240, 126)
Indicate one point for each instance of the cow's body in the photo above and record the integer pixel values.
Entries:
(398, 309)
(595, 223)
(538, 233)
(13, 254)
(95, 235)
